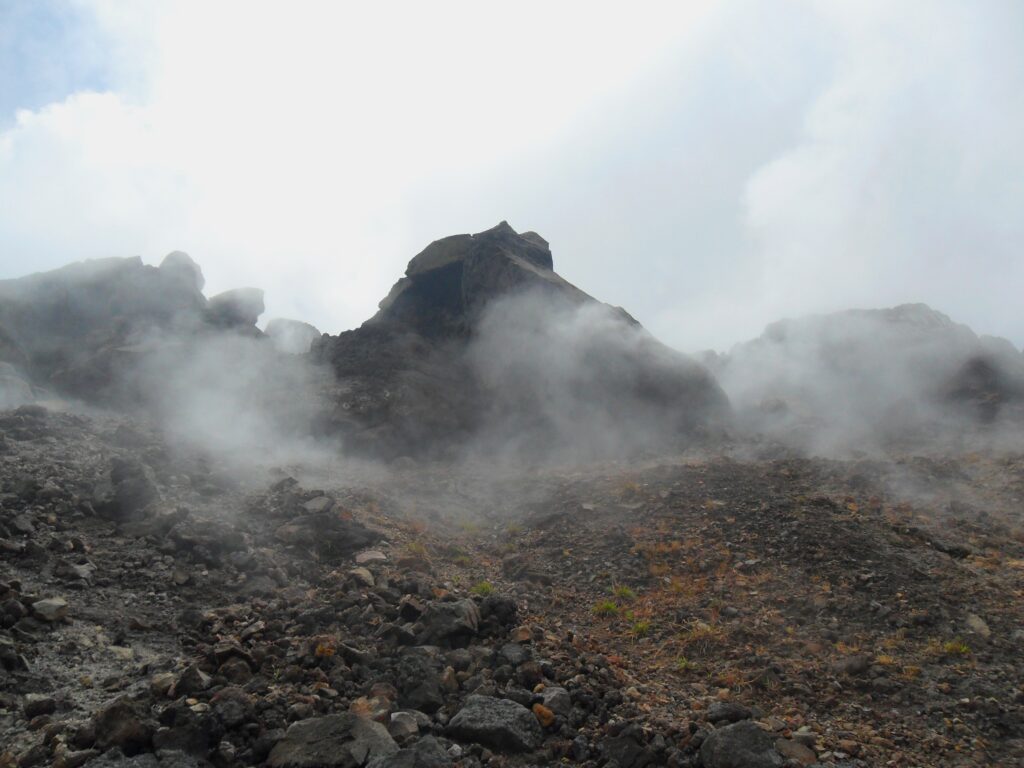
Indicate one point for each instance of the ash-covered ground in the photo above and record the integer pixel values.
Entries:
(499, 525)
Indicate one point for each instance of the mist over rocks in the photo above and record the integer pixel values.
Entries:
(291, 336)
(863, 378)
(482, 346)
(80, 329)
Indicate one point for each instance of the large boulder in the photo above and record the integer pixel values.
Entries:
(496, 723)
(334, 741)
(481, 346)
(741, 745)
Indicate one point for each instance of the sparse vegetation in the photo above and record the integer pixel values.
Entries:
(606, 608)
(683, 664)
(482, 588)
(622, 592)
(938, 649)
(640, 628)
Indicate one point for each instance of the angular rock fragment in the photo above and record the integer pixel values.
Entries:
(497, 723)
(740, 745)
(334, 741)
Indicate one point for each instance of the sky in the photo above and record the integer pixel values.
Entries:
(709, 166)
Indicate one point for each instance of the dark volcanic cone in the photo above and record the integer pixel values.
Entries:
(482, 341)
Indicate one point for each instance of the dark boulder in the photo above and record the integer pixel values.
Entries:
(741, 745)
(334, 741)
(425, 753)
(129, 493)
(497, 723)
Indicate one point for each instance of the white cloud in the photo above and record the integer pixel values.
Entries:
(278, 144)
(709, 166)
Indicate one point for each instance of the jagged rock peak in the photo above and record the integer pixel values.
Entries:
(528, 246)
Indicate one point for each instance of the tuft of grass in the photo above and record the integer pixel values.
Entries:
(640, 628)
(885, 660)
(701, 638)
(622, 592)
(683, 664)
(955, 647)
(911, 672)
(605, 608)
(482, 588)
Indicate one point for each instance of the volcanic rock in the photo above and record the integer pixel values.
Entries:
(425, 753)
(446, 357)
(52, 609)
(740, 745)
(449, 622)
(497, 723)
(342, 741)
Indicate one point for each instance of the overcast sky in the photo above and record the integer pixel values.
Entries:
(709, 166)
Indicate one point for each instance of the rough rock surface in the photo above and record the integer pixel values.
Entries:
(498, 723)
(740, 745)
(417, 377)
(344, 741)
(656, 603)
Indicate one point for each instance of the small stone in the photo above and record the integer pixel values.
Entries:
(362, 576)
(161, 683)
(853, 665)
(371, 556)
(978, 626)
(192, 680)
(557, 700)
(319, 504)
(521, 635)
(121, 652)
(794, 750)
(403, 727)
(52, 609)
(449, 681)
(849, 746)
(727, 712)
(120, 724)
(373, 707)
(36, 704)
(544, 715)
